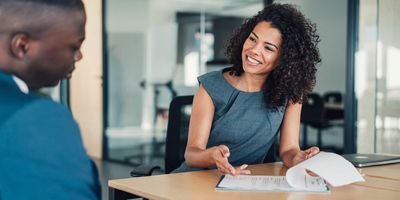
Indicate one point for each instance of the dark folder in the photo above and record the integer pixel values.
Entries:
(366, 160)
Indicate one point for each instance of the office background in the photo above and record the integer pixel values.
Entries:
(134, 49)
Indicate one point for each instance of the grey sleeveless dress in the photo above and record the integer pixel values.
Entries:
(241, 121)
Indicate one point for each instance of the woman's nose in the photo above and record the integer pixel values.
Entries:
(256, 49)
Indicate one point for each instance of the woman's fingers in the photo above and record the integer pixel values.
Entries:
(221, 160)
(233, 170)
(224, 150)
(244, 166)
(223, 164)
(302, 155)
(242, 169)
(225, 167)
(222, 169)
(312, 151)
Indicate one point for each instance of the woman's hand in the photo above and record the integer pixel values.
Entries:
(300, 156)
(220, 155)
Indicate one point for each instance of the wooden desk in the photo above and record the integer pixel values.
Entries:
(382, 182)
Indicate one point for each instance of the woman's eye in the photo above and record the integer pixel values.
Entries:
(267, 48)
(252, 39)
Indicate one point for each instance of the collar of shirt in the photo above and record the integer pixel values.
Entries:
(21, 84)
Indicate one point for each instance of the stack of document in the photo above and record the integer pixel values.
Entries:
(329, 167)
(269, 183)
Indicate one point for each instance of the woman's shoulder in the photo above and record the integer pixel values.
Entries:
(220, 76)
(211, 78)
(216, 85)
(212, 74)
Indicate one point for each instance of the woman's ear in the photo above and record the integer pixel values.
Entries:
(19, 45)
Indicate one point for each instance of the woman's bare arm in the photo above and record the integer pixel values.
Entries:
(196, 154)
(289, 149)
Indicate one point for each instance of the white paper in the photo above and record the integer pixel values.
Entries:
(333, 168)
(269, 183)
(330, 167)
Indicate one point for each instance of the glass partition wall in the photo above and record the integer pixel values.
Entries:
(155, 49)
(377, 83)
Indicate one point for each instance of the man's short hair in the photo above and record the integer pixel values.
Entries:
(71, 4)
(33, 16)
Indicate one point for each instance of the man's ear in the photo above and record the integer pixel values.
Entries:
(19, 45)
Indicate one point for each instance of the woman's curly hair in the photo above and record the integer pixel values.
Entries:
(294, 76)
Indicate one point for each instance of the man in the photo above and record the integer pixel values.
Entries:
(41, 152)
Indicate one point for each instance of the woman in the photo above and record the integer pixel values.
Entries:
(237, 112)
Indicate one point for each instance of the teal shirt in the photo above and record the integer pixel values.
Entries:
(241, 121)
(41, 151)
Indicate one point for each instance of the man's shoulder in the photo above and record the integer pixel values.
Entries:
(44, 102)
(45, 107)
(12, 101)
(33, 109)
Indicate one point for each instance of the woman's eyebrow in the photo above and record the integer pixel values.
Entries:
(269, 43)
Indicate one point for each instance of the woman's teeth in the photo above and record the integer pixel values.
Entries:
(253, 61)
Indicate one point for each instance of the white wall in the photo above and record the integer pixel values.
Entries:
(331, 19)
(127, 15)
(86, 83)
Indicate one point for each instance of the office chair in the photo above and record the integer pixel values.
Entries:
(177, 135)
(333, 97)
(177, 132)
(313, 114)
